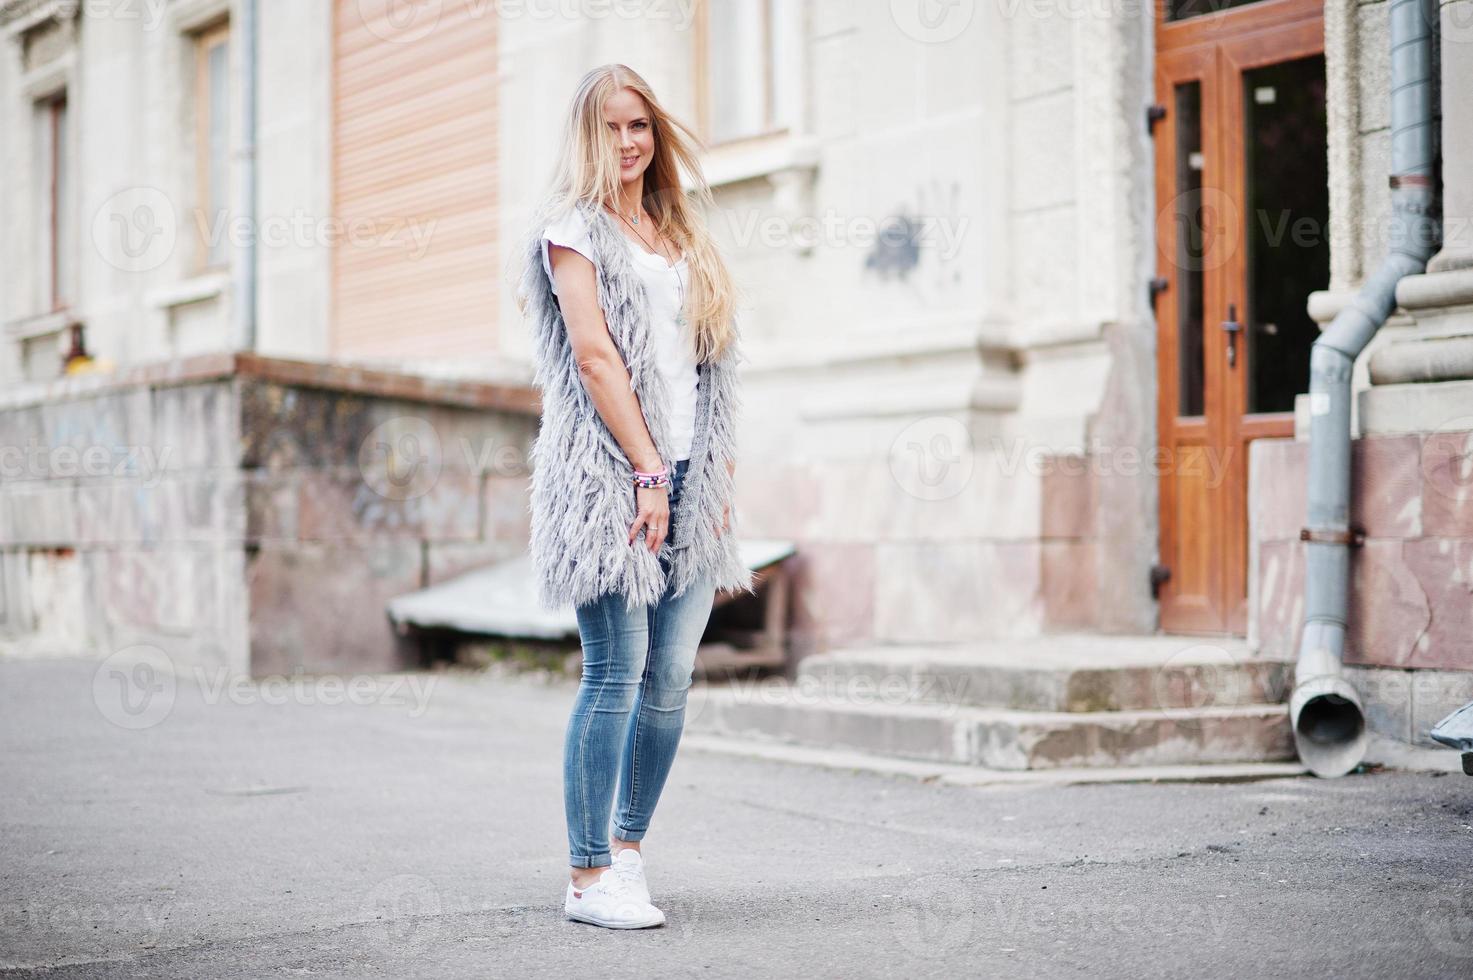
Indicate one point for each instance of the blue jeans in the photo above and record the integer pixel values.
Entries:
(630, 708)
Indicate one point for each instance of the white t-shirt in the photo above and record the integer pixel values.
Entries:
(674, 346)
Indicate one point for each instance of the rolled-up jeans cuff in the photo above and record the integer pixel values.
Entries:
(600, 860)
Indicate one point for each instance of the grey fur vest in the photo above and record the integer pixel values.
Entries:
(582, 485)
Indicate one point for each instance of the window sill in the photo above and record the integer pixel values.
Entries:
(208, 285)
(764, 157)
(41, 325)
(19, 16)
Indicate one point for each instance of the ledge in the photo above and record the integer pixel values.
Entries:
(519, 399)
(19, 16)
(1436, 290)
(41, 325)
(193, 290)
(765, 156)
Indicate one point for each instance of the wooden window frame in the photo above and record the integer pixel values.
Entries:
(202, 44)
(704, 91)
(54, 109)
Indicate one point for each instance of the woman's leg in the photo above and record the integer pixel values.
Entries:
(675, 626)
(614, 643)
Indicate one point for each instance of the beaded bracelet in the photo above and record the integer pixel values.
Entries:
(650, 481)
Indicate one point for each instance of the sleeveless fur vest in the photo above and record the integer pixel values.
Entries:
(582, 485)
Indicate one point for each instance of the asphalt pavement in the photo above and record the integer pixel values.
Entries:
(412, 826)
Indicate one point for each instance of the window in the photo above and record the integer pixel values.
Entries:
(55, 227)
(212, 146)
(747, 77)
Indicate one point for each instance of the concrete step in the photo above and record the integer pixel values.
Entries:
(1068, 673)
(996, 738)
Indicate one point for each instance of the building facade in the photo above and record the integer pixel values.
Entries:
(1030, 287)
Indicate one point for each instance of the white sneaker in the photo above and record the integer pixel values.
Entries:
(629, 865)
(611, 902)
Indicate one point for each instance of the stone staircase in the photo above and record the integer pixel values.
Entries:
(1060, 701)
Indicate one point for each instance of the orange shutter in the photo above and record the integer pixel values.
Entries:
(414, 152)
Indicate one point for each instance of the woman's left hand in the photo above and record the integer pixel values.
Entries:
(725, 520)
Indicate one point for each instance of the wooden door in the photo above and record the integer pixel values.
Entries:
(1242, 239)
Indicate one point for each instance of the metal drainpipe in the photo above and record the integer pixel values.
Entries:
(243, 302)
(1328, 719)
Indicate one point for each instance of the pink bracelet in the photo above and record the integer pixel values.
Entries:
(651, 481)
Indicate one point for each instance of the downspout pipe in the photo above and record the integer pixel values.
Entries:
(1325, 709)
(243, 302)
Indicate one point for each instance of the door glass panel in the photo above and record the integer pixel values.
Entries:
(1190, 244)
(1182, 9)
(1287, 191)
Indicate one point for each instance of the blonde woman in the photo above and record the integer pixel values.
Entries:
(633, 317)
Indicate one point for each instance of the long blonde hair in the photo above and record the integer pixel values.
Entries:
(588, 170)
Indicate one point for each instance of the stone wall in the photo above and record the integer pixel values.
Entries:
(1410, 621)
(249, 512)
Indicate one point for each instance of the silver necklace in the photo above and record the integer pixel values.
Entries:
(680, 320)
(680, 307)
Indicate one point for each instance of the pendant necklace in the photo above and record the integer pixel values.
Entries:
(680, 320)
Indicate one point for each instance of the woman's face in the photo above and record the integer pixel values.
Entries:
(629, 120)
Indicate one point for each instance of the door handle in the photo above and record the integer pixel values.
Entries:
(1232, 328)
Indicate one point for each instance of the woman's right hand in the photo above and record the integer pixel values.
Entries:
(653, 505)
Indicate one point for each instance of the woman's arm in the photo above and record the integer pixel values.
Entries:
(603, 373)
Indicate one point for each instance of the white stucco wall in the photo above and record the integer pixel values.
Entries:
(1021, 325)
(130, 86)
